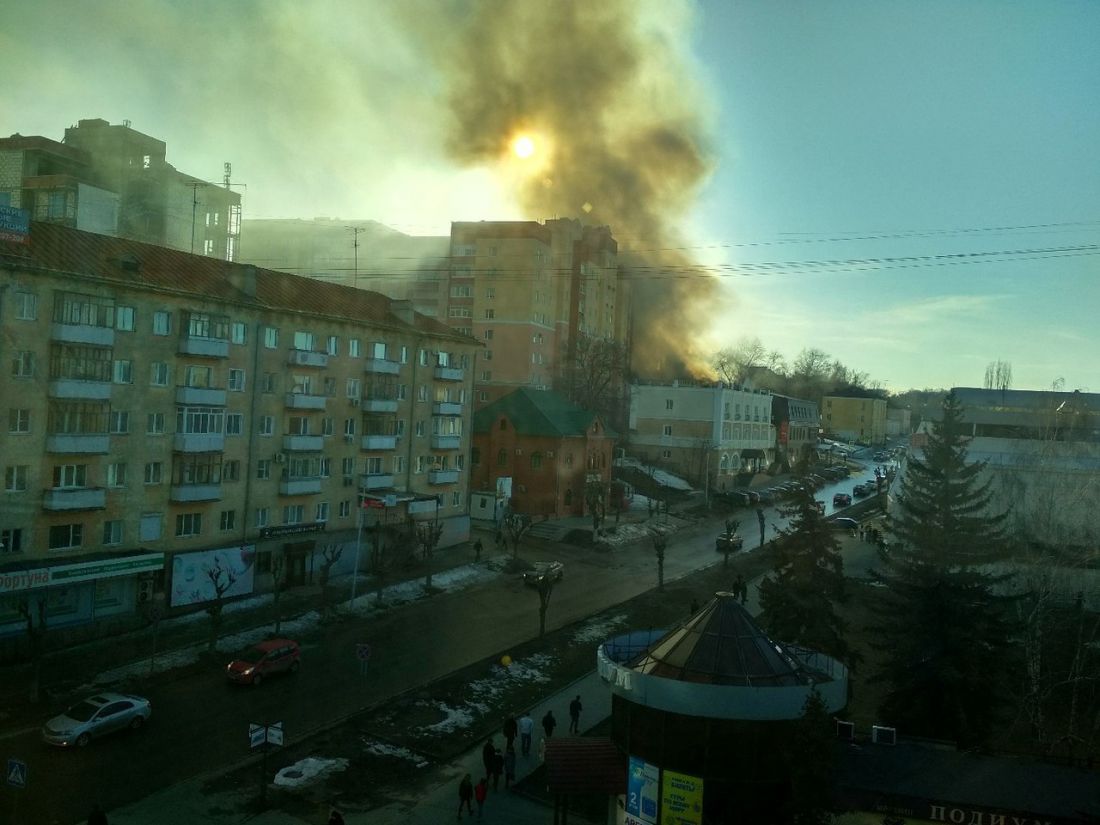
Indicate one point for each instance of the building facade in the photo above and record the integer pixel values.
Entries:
(544, 449)
(797, 424)
(899, 421)
(167, 414)
(707, 434)
(854, 419)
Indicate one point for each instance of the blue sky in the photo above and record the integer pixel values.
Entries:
(936, 128)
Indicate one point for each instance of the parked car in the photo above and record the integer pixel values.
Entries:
(254, 664)
(841, 500)
(725, 544)
(816, 480)
(732, 498)
(97, 716)
(766, 496)
(860, 490)
(552, 570)
(754, 496)
(844, 523)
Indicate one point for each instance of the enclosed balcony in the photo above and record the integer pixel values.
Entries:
(380, 366)
(380, 404)
(303, 443)
(200, 397)
(82, 390)
(449, 374)
(442, 476)
(83, 334)
(307, 358)
(447, 408)
(301, 401)
(195, 492)
(300, 486)
(204, 347)
(78, 443)
(198, 442)
(83, 498)
(379, 442)
(446, 442)
(375, 481)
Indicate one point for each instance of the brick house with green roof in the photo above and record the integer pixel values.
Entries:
(546, 445)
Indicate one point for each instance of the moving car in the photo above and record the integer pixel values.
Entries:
(841, 500)
(268, 658)
(552, 570)
(844, 523)
(728, 544)
(97, 716)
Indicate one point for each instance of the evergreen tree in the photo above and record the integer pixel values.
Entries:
(798, 600)
(944, 632)
(812, 760)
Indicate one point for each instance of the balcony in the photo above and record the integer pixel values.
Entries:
(447, 408)
(375, 481)
(78, 443)
(84, 498)
(385, 405)
(307, 358)
(303, 443)
(379, 442)
(198, 442)
(449, 374)
(299, 486)
(446, 442)
(442, 476)
(301, 401)
(380, 366)
(200, 397)
(195, 492)
(84, 390)
(83, 334)
(204, 347)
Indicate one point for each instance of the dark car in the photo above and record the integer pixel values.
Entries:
(274, 656)
(766, 496)
(860, 490)
(732, 498)
(754, 497)
(724, 543)
(816, 480)
(549, 570)
(844, 523)
(841, 500)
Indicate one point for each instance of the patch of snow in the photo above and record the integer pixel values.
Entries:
(599, 629)
(382, 749)
(627, 533)
(662, 477)
(308, 770)
(453, 719)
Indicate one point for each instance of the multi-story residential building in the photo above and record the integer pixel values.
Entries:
(797, 424)
(544, 447)
(170, 415)
(854, 419)
(708, 434)
(114, 180)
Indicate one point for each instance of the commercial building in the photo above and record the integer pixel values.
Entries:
(708, 434)
(168, 415)
(114, 180)
(797, 424)
(854, 419)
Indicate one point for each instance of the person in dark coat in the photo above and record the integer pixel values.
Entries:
(466, 795)
(510, 730)
(478, 547)
(498, 768)
(549, 723)
(575, 708)
(97, 817)
(488, 751)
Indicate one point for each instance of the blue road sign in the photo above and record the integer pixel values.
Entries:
(17, 773)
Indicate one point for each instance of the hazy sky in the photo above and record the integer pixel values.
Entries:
(912, 187)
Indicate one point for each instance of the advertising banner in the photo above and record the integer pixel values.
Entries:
(193, 579)
(63, 574)
(15, 224)
(641, 791)
(681, 799)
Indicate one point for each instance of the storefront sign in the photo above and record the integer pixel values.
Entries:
(16, 580)
(642, 783)
(291, 530)
(681, 799)
(15, 224)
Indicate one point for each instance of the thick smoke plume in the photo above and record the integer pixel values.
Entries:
(605, 91)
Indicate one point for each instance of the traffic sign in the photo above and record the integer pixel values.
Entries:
(265, 734)
(17, 773)
(257, 735)
(362, 652)
(275, 734)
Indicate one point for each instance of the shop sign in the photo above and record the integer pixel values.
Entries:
(291, 530)
(16, 580)
(15, 224)
(642, 782)
(681, 799)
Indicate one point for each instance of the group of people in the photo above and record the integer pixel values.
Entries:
(497, 762)
(740, 589)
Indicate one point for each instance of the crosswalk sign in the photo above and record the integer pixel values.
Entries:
(17, 773)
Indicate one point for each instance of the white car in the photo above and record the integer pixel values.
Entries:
(552, 570)
(97, 716)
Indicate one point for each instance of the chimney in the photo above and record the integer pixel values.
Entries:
(242, 277)
(403, 310)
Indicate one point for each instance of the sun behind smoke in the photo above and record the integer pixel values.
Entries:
(523, 146)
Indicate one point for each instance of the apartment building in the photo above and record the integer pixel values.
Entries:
(114, 180)
(854, 419)
(708, 434)
(171, 415)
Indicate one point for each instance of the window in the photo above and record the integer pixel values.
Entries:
(666, 453)
(349, 426)
(154, 423)
(261, 517)
(398, 464)
(159, 370)
(347, 466)
(486, 375)
(70, 476)
(149, 529)
(11, 540)
(333, 347)
(536, 461)
(238, 332)
(404, 355)
(116, 474)
(120, 422)
(162, 323)
(487, 355)
(460, 462)
(490, 314)
(22, 364)
(330, 387)
(153, 472)
(26, 306)
(456, 498)
(263, 468)
(124, 318)
(482, 395)
(502, 458)
(668, 403)
(345, 509)
(236, 380)
(353, 388)
(422, 392)
(267, 425)
(66, 536)
(423, 358)
(374, 466)
(268, 383)
(303, 340)
(419, 464)
(420, 429)
(124, 372)
(188, 524)
(203, 325)
(208, 247)
(354, 347)
(292, 514)
(460, 312)
(234, 423)
(399, 427)
(666, 430)
(326, 466)
(402, 392)
(231, 470)
(271, 337)
(322, 511)
(112, 532)
(488, 335)
(462, 291)
(227, 521)
(326, 426)
(15, 478)
(19, 421)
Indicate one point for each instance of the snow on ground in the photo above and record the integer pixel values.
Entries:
(382, 749)
(453, 718)
(627, 533)
(599, 629)
(662, 477)
(308, 770)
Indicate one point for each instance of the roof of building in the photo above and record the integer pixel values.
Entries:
(722, 645)
(537, 413)
(975, 398)
(137, 265)
(584, 765)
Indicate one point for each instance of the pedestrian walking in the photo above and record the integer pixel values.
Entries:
(481, 790)
(526, 725)
(549, 723)
(465, 795)
(498, 768)
(488, 751)
(575, 708)
(760, 518)
(509, 766)
(335, 818)
(477, 550)
(97, 817)
(510, 730)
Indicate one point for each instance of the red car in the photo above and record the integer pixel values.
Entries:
(842, 500)
(253, 665)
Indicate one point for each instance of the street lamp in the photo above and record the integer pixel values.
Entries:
(358, 545)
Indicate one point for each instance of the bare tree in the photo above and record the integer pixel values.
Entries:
(595, 498)
(393, 547)
(660, 542)
(427, 537)
(516, 526)
(998, 375)
(545, 590)
(278, 582)
(735, 364)
(34, 614)
(221, 578)
(730, 536)
(595, 377)
(330, 554)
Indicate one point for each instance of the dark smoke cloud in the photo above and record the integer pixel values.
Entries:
(608, 85)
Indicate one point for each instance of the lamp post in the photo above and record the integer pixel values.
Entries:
(358, 545)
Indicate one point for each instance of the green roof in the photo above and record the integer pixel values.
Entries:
(537, 412)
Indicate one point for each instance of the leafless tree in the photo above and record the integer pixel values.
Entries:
(221, 578)
(278, 582)
(516, 526)
(393, 548)
(330, 554)
(595, 378)
(33, 611)
(427, 537)
(545, 590)
(660, 542)
(729, 535)
(595, 498)
(734, 364)
(998, 375)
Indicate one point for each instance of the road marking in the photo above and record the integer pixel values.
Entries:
(13, 733)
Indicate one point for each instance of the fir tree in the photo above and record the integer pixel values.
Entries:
(812, 763)
(944, 632)
(798, 600)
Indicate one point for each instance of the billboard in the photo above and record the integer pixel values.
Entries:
(15, 224)
(681, 799)
(641, 792)
(192, 582)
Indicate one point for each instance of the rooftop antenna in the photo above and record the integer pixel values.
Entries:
(355, 230)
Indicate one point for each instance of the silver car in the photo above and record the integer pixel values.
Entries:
(97, 716)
